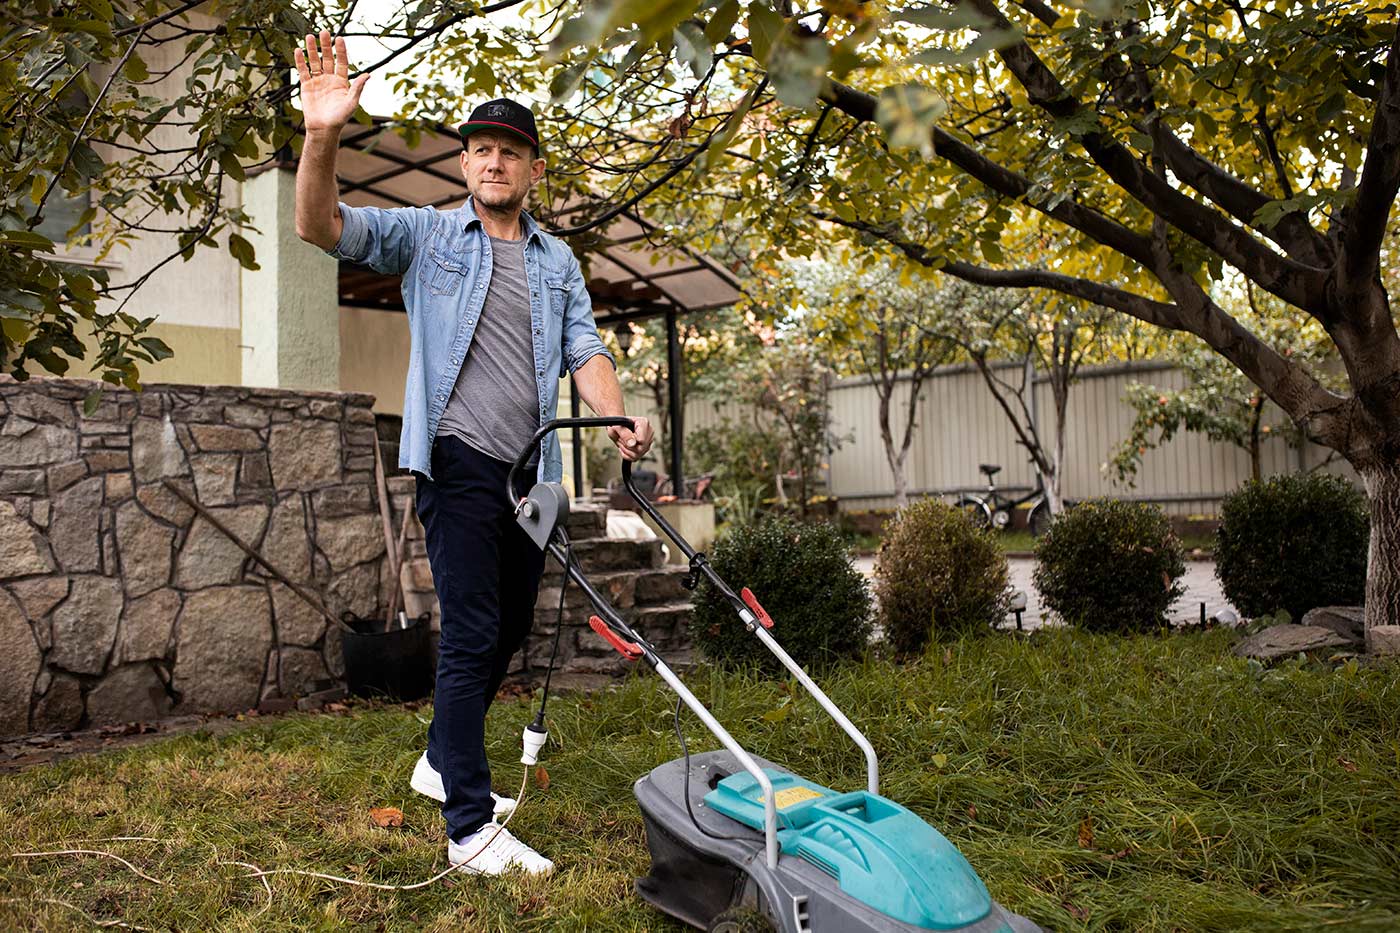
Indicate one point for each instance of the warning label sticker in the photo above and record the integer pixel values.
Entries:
(789, 796)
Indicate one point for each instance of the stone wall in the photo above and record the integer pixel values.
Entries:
(118, 603)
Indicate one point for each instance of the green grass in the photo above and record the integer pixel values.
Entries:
(1096, 783)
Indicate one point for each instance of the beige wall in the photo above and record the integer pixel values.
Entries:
(374, 355)
(959, 426)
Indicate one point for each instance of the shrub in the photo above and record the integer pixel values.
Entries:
(1110, 566)
(803, 577)
(938, 577)
(1293, 542)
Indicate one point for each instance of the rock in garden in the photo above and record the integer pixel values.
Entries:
(1347, 621)
(1286, 640)
(1384, 640)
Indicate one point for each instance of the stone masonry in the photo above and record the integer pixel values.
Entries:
(118, 603)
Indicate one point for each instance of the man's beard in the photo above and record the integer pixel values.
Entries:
(499, 200)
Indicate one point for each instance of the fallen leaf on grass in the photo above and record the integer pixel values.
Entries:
(542, 777)
(386, 816)
(1349, 765)
(1123, 853)
(1078, 913)
(336, 708)
(530, 905)
(1086, 833)
(972, 811)
(940, 761)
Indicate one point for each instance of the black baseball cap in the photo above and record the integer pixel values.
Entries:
(502, 114)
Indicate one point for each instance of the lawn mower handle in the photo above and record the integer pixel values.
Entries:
(555, 425)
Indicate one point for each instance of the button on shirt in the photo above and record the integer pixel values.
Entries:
(445, 262)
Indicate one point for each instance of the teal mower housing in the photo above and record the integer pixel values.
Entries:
(741, 845)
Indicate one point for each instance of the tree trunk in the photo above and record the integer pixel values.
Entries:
(1383, 561)
(895, 460)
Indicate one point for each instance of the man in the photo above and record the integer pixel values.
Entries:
(497, 313)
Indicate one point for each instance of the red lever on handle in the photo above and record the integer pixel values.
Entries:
(752, 602)
(629, 650)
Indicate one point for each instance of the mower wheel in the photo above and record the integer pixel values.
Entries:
(741, 920)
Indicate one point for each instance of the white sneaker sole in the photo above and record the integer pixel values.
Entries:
(428, 782)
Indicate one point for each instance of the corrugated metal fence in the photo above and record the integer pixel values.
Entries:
(960, 425)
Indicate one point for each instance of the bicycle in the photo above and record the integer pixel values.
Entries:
(994, 510)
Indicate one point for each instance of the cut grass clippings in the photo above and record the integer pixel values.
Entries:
(1095, 783)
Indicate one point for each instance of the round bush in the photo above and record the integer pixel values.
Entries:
(1110, 566)
(939, 577)
(1293, 542)
(803, 577)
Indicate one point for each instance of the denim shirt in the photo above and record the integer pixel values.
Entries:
(445, 260)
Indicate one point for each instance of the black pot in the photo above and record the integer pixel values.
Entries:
(396, 665)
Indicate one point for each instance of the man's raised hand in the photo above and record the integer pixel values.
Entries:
(328, 96)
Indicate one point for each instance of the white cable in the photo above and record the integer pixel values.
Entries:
(525, 780)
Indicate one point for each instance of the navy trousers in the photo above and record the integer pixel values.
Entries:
(487, 573)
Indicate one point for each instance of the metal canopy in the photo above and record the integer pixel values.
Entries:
(629, 276)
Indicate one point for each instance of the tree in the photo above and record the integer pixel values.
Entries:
(133, 118)
(872, 324)
(1165, 143)
(1218, 400)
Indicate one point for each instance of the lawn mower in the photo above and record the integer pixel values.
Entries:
(739, 843)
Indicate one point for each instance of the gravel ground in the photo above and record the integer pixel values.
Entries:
(1200, 582)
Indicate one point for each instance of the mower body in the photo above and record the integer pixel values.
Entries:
(849, 862)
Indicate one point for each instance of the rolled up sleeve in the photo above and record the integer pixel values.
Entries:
(382, 238)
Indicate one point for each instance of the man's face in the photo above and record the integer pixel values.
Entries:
(499, 169)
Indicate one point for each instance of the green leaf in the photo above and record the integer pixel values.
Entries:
(230, 164)
(799, 70)
(940, 761)
(567, 80)
(37, 187)
(26, 239)
(907, 112)
(731, 128)
(778, 714)
(243, 251)
(693, 48)
(722, 22)
(765, 29)
(135, 69)
(87, 162)
(158, 348)
(91, 401)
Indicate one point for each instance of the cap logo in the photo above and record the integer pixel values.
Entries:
(497, 110)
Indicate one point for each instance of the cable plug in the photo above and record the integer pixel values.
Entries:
(532, 740)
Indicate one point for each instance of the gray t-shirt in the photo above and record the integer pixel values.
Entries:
(495, 404)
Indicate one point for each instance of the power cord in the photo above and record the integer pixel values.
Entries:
(685, 750)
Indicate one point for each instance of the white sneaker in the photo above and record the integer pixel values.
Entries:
(492, 850)
(428, 782)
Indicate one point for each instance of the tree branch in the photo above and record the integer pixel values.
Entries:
(1239, 200)
(1098, 227)
(1361, 239)
(1294, 282)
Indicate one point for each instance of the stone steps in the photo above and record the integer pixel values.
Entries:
(582, 650)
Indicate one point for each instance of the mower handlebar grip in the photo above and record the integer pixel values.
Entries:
(555, 425)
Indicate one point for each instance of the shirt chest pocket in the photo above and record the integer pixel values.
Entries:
(445, 269)
(556, 289)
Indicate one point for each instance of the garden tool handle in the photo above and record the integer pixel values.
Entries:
(555, 425)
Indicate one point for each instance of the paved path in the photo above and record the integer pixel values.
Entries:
(1199, 581)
